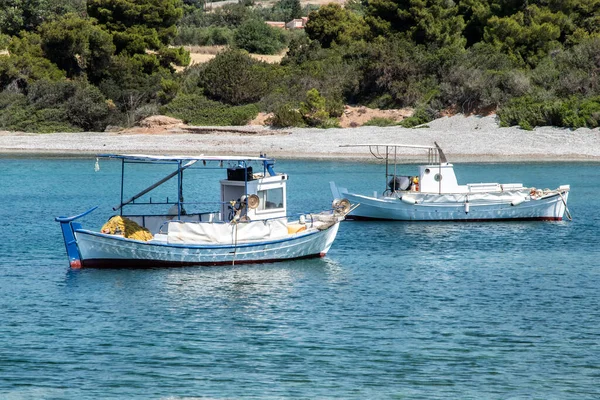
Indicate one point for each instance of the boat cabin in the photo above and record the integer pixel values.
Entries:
(242, 184)
(436, 176)
(245, 194)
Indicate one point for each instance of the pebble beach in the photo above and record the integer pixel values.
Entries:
(463, 139)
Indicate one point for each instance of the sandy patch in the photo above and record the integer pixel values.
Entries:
(358, 116)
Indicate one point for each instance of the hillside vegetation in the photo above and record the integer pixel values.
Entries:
(77, 65)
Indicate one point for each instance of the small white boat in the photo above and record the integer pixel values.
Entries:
(251, 225)
(433, 194)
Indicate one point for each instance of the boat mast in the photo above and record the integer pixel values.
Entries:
(122, 183)
(179, 188)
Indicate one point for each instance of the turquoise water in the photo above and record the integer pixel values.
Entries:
(396, 310)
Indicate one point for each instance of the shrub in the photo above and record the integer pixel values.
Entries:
(528, 112)
(198, 110)
(380, 121)
(313, 109)
(233, 77)
(420, 116)
(16, 114)
(56, 106)
(210, 36)
(286, 115)
(255, 36)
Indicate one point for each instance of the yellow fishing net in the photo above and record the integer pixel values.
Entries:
(127, 228)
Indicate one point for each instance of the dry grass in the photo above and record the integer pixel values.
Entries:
(205, 49)
(202, 54)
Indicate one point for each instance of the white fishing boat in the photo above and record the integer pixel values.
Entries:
(250, 226)
(433, 194)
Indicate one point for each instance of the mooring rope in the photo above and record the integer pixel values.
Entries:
(566, 208)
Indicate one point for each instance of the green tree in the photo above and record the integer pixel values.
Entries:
(332, 23)
(435, 22)
(235, 78)
(77, 46)
(255, 36)
(18, 15)
(26, 64)
(151, 22)
(527, 35)
(313, 108)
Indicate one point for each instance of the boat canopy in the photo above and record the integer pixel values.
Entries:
(435, 153)
(176, 158)
(413, 146)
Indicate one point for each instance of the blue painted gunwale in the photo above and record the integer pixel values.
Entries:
(191, 246)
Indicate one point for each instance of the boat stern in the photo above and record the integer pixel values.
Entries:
(68, 231)
(68, 228)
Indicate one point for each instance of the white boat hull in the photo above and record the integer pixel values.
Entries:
(434, 207)
(108, 251)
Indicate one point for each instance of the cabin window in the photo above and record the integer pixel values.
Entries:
(437, 177)
(270, 199)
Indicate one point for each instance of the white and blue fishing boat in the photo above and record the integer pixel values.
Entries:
(433, 194)
(250, 226)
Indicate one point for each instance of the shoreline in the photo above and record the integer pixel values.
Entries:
(463, 139)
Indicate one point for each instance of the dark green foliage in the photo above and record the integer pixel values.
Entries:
(313, 109)
(169, 56)
(195, 109)
(283, 10)
(528, 112)
(235, 78)
(436, 22)
(4, 41)
(17, 114)
(51, 106)
(141, 25)
(133, 83)
(482, 77)
(211, 36)
(88, 109)
(77, 46)
(26, 65)
(396, 68)
(143, 20)
(286, 115)
(255, 36)
(19, 15)
(536, 62)
(334, 24)
(421, 116)
(229, 16)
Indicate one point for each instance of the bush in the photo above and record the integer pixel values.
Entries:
(211, 36)
(55, 106)
(313, 109)
(198, 110)
(286, 115)
(255, 36)
(420, 116)
(16, 114)
(528, 112)
(233, 77)
(380, 121)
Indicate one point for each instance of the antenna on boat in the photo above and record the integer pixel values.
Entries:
(442, 155)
